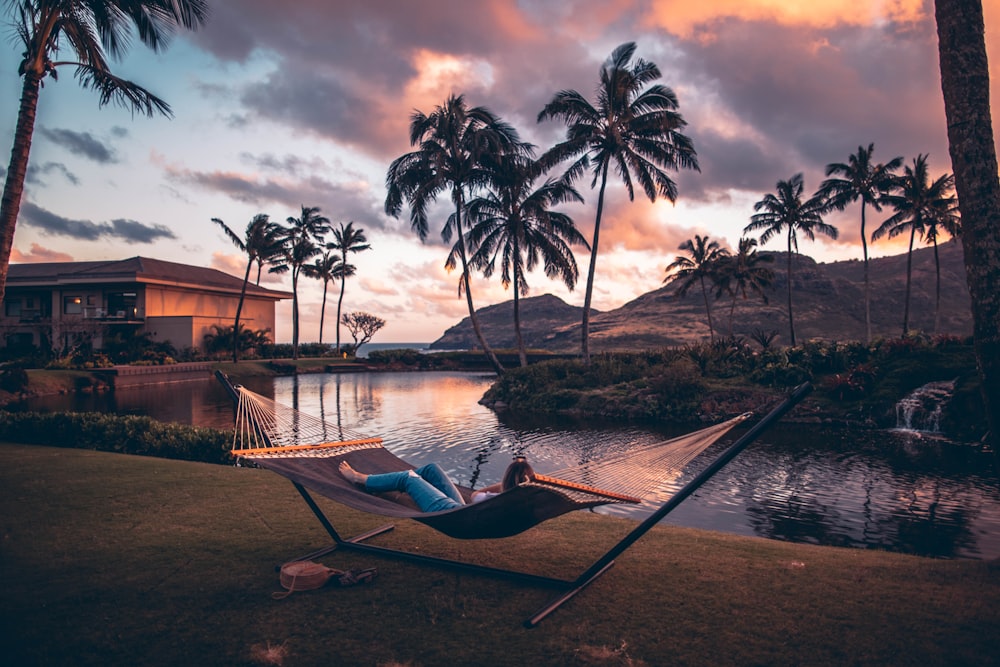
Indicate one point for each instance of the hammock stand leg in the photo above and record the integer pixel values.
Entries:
(602, 564)
(357, 543)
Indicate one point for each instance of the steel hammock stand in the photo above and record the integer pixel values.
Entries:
(309, 451)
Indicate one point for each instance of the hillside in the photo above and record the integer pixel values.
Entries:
(827, 303)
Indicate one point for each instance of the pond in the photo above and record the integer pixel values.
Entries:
(898, 491)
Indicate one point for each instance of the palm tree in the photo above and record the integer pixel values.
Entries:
(323, 268)
(965, 83)
(744, 273)
(916, 201)
(453, 140)
(90, 30)
(514, 222)
(702, 262)
(261, 241)
(865, 181)
(785, 210)
(637, 129)
(300, 239)
(346, 239)
(943, 218)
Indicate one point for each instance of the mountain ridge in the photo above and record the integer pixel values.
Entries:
(827, 304)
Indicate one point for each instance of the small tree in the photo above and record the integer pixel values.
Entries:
(362, 327)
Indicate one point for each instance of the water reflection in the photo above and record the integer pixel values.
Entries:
(835, 487)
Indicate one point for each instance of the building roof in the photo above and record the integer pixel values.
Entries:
(137, 270)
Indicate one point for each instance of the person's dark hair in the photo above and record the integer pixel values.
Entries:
(518, 472)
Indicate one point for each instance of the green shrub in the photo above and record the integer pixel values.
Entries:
(125, 434)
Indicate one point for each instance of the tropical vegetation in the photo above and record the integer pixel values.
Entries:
(90, 30)
(918, 201)
(514, 223)
(346, 240)
(634, 127)
(786, 211)
(860, 180)
(703, 261)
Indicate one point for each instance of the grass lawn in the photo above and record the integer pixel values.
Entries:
(109, 559)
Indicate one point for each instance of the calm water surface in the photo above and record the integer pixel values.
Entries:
(887, 490)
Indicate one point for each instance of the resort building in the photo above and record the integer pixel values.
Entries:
(56, 304)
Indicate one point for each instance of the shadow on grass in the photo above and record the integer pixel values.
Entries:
(117, 560)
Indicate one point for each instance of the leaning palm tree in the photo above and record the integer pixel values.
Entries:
(346, 239)
(453, 140)
(513, 223)
(744, 273)
(916, 200)
(637, 129)
(860, 179)
(323, 268)
(90, 30)
(261, 242)
(786, 211)
(702, 261)
(300, 239)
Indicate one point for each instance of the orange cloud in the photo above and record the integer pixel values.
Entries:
(687, 18)
(38, 254)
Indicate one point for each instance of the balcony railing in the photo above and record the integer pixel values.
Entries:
(126, 315)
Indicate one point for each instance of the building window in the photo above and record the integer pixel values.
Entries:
(72, 305)
(91, 300)
(12, 308)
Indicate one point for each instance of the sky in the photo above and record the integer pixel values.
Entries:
(282, 105)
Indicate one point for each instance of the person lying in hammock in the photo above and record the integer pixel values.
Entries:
(430, 487)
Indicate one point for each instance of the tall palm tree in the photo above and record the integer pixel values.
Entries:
(261, 241)
(785, 210)
(513, 222)
(702, 262)
(944, 219)
(90, 30)
(965, 83)
(860, 179)
(916, 201)
(346, 239)
(452, 141)
(637, 129)
(744, 273)
(323, 268)
(300, 245)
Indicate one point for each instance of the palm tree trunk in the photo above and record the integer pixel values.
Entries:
(937, 288)
(791, 321)
(732, 311)
(708, 310)
(909, 272)
(340, 301)
(588, 295)
(13, 187)
(868, 303)
(322, 311)
(487, 350)
(965, 83)
(521, 352)
(295, 314)
(239, 310)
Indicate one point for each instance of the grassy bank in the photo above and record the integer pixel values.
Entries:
(110, 559)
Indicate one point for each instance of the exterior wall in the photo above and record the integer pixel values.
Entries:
(181, 316)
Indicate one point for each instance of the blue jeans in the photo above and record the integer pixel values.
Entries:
(428, 485)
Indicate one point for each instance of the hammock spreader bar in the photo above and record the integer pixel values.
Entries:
(571, 587)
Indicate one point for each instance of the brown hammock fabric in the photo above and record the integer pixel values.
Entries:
(309, 451)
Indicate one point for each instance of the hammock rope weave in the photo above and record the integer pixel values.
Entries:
(307, 450)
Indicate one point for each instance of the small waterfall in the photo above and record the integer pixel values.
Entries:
(921, 409)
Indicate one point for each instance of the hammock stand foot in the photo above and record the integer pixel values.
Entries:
(357, 543)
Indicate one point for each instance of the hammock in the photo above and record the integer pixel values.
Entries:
(308, 451)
